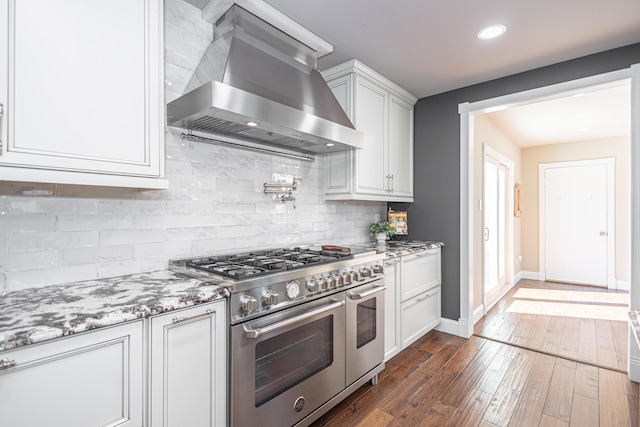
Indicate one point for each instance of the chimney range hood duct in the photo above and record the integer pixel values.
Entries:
(253, 72)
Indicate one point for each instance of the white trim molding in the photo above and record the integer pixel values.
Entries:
(459, 328)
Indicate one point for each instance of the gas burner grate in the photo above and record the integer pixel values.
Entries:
(250, 264)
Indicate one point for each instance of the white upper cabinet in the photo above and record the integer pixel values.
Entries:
(383, 170)
(81, 86)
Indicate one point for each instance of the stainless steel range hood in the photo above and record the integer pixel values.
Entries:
(253, 72)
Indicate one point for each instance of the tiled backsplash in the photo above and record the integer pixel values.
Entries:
(52, 234)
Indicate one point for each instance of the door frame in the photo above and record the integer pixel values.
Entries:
(464, 326)
(488, 151)
(609, 163)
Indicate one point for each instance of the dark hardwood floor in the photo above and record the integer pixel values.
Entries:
(444, 380)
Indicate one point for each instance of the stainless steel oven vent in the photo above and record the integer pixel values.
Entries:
(254, 73)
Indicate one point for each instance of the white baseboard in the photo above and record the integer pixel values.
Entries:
(532, 275)
(478, 313)
(634, 368)
(623, 285)
(459, 328)
(517, 277)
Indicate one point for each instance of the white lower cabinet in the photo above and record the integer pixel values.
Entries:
(188, 367)
(392, 344)
(419, 315)
(91, 379)
(412, 298)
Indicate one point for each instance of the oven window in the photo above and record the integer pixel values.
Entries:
(291, 357)
(366, 322)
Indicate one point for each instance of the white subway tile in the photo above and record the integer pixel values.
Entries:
(165, 250)
(16, 261)
(94, 222)
(28, 242)
(119, 237)
(50, 276)
(27, 223)
(94, 255)
(212, 246)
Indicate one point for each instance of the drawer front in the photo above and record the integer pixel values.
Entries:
(420, 272)
(419, 315)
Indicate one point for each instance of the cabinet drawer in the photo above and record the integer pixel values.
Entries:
(90, 379)
(420, 272)
(419, 315)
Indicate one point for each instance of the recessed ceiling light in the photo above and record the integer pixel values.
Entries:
(252, 124)
(330, 144)
(492, 32)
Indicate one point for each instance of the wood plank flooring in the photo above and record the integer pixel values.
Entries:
(444, 380)
(531, 315)
(539, 368)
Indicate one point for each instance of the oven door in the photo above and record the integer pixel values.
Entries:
(365, 329)
(285, 365)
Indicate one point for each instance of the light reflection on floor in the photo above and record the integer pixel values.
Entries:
(614, 306)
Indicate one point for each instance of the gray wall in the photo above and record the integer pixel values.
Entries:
(435, 214)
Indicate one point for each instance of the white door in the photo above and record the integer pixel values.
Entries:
(496, 204)
(577, 215)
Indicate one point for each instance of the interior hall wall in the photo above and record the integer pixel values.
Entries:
(435, 212)
(485, 132)
(618, 148)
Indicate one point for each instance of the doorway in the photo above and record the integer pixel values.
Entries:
(577, 229)
(497, 225)
(467, 206)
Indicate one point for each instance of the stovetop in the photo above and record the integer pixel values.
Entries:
(252, 264)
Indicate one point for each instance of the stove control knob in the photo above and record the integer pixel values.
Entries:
(346, 278)
(356, 276)
(312, 286)
(248, 304)
(270, 298)
(322, 285)
(340, 280)
(332, 282)
(365, 272)
(378, 269)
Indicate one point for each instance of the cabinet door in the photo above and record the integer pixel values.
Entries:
(400, 148)
(188, 367)
(91, 379)
(370, 117)
(420, 272)
(391, 309)
(82, 87)
(338, 166)
(419, 315)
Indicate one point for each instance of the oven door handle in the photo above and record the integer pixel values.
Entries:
(361, 295)
(257, 333)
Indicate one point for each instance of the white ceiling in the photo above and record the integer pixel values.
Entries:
(430, 46)
(601, 112)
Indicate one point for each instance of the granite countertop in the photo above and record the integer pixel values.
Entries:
(398, 248)
(34, 315)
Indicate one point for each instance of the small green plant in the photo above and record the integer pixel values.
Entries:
(380, 227)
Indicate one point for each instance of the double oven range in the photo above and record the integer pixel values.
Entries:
(306, 328)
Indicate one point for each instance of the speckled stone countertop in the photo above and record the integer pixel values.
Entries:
(34, 315)
(398, 248)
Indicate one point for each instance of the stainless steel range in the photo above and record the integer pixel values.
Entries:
(306, 328)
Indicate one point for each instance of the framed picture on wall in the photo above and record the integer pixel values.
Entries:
(398, 221)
